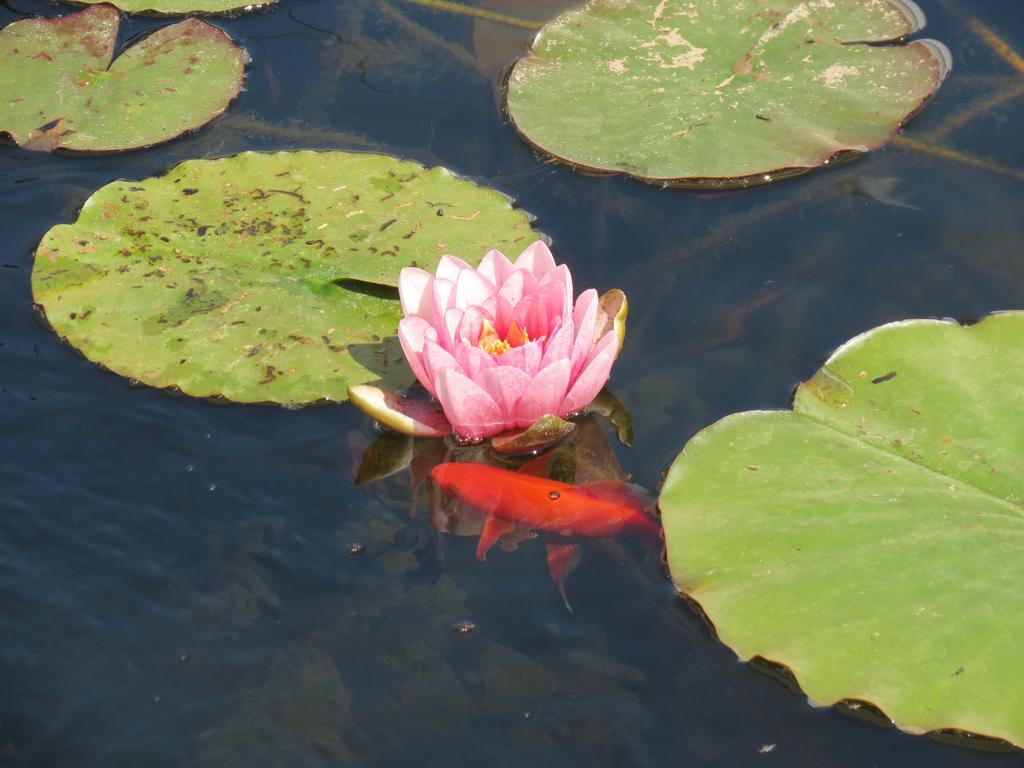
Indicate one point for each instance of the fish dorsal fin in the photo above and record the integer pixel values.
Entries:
(620, 492)
(494, 529)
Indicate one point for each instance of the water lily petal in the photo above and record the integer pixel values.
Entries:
(544, 393)
(500, 312)
(532, 312)
(448, 267)
(435, 360)
(415, 288)
(518, 284)
(495, 266)
(526, 358)
(537, 259)
(559, 344)
(593, 376)
(472, 359)
(584, 319)
(557, 303)
(452, 320)
(412, 336)
(505, 385)
(443, 298)
(561, 276)
(471, 289)
(472, 324)
(470, 410)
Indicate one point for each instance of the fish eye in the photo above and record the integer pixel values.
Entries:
(554, 495)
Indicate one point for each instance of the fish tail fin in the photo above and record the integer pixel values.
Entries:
(562, 561)
(627, 494)
(633, 497)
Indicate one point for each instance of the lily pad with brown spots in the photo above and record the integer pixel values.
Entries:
(62, 88)
(181, 7)
(264, 277)
(716, 93)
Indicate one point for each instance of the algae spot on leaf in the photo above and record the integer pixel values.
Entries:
(709, 93)
(63, 89)
(872, 538)
(240, 277)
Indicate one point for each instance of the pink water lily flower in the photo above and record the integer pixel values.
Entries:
(502, 345)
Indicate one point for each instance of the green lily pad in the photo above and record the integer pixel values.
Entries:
(872, 539)
(264, 277)
(62, 88)
(180, 7)
(705, 92)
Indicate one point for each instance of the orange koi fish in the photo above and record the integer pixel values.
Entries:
(601, 509)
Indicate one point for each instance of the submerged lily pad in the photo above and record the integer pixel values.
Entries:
(699, 92)
(62, 89)
(872, 539)
(261, 277)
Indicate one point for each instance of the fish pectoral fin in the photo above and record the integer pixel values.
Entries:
(562, 561)
(620, 492)
(494, 529)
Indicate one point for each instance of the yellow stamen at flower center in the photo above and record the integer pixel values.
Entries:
(493, 344)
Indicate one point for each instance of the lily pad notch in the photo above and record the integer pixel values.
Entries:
(262, 277)
(702, 93)
(871, 539)
(63, 89)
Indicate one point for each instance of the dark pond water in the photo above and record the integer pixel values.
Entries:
(175, 579)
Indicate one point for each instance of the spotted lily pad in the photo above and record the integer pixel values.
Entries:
(63, 89)
(261, 277)
(179, 7)
(872, 539)
(697, 92)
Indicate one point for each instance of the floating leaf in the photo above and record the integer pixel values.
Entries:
(695, 92)
(61, 91)
(872, 539)
(415, 418)
(253, 277)
(179, 7)
(547, 431)
(613, 309)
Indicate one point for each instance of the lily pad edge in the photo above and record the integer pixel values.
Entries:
(780, 669)
(120, 50)
(241, 9)
(941, 56)
(218, 398)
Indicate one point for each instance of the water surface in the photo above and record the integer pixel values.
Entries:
(174, 573)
